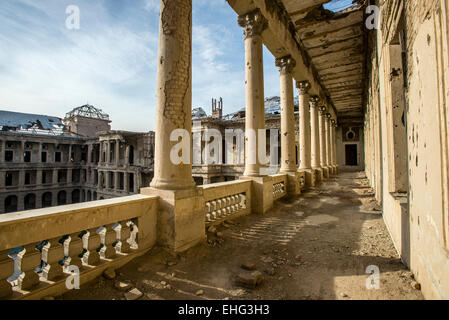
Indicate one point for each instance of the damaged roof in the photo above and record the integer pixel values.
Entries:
(30, 123)
(335, 44)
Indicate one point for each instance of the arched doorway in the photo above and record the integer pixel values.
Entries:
(62, 198)
(11, 204)
(76, 196)
(46, 200)
(30, 201)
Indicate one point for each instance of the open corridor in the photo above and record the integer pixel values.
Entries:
(313, 246)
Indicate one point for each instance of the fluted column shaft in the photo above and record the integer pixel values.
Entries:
(173, 93)
(304, 124)
(254, 24)
(288, 158)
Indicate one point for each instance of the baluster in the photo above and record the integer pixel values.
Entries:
(17, 277)
(43, 269)
(242, 203)
(117, 244)
(132, 240)
(214, 210)
(208, 211)
(30, 260)
(85, 253)
(101, 249)
(93, 246)
(110, 238)
(66, 260)
(54, 254)
(125, 234)
(6, 270)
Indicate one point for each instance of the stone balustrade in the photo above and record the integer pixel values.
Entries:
(226, 200)
(279, 186)
(39, 248)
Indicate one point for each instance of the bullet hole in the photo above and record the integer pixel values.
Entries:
(416, 160)
(428, 39)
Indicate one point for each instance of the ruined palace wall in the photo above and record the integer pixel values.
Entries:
(420, 229)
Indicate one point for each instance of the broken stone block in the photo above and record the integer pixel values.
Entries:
(122, 286)
(250, 280)
(249, 266)
(199, 292)
(109, 273)
(133, 294)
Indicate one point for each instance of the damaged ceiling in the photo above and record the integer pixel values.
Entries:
(334, 42)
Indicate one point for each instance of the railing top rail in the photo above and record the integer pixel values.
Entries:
(69, 208)
(223, 184)
(22, 228)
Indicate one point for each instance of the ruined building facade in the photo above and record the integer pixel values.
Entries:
(46, 161)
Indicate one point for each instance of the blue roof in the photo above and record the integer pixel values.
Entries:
(27, 120)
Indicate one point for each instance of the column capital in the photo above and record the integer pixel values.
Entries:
(314, 101)
(303, 86)
(253, 23)
(322, 110)
(285, 64)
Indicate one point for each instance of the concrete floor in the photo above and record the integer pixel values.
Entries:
(315, 246)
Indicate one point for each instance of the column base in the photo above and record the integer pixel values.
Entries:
(309, 177)
(181, 218)
(318, 173)
(326, 172)
(261, 193)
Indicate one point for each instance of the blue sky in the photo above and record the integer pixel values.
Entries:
(110, 62)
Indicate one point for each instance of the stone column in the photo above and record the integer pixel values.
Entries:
(323, 134)
(101, 148)
(173, 94)
(182, 209)
(116, 181)
(39, 176)
(107, 178)
(334, 144)
(21, 152)
(117, 152)
(69, 176)
(108, 152)
(254, 23)
(288, 151)
(55, 176)
(127, 155)
(327, 128)
(126, 182)
(2, 179)
(39, 155)
(89, 154)
(100, 180)
(315, 139)
(305, 168)
(2, 150)
(70, 154)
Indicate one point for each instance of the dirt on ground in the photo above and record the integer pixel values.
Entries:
(314, 246)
